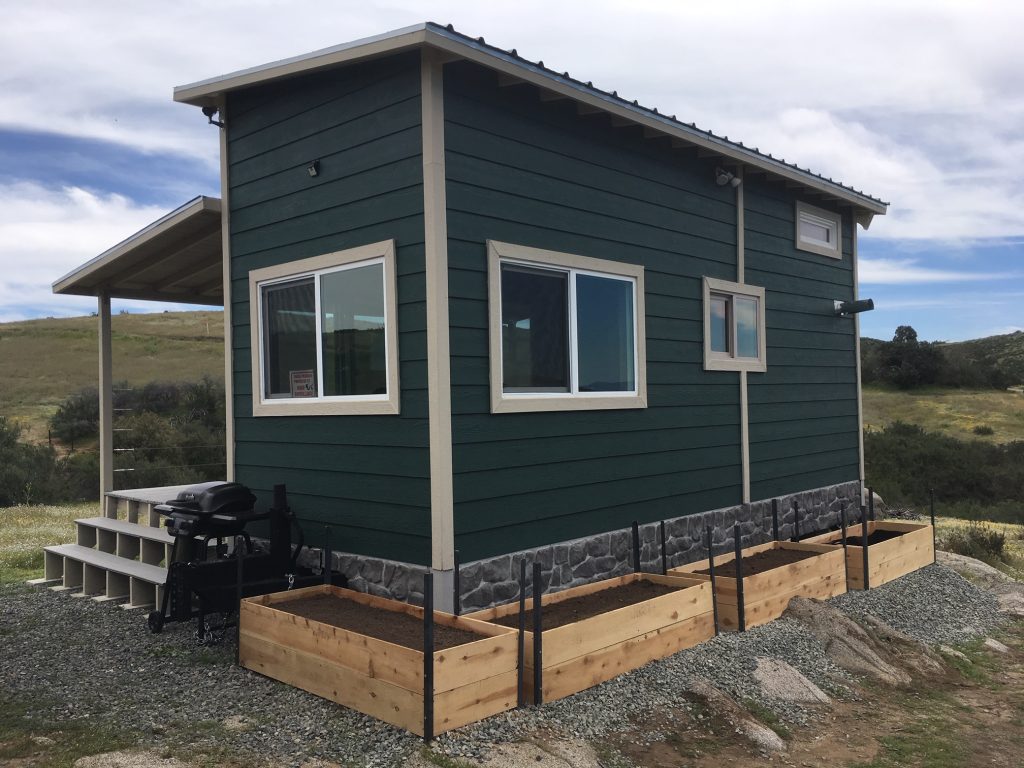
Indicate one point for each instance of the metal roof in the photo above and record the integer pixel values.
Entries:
(176, 258)
(210, 92)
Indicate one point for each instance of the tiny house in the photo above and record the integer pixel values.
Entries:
(477, 311)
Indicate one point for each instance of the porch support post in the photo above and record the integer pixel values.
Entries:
(106, 392)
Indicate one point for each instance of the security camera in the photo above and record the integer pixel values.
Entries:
(843, 308)
(210, 110)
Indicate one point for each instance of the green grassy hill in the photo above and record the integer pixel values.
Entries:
(44, 361)
(953, 412)
(1004, 352)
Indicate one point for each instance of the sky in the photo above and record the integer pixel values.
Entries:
(918, 103)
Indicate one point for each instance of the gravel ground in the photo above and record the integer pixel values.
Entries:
(81, 660)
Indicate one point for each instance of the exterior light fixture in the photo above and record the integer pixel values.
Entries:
(210, 111)
(844, 308)
(314, 168)
(723, 177)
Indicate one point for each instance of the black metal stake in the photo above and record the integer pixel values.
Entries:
(871, 504)
(520, 694)
(741, 617)
(796, 520)
(931, 505)
(428, 657)
(538, 638)
(846, 562)
(711, 573)
(664, 557)
(457, 602)
(636, 547)
(239, 581)
(327, 554)
(865, 537)
(775, 519)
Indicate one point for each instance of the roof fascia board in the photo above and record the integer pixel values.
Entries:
(145, 235)
(533, 75)
(207, 92)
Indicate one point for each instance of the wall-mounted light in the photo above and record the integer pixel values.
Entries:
(844, 308)
(314, 168)
(210, 111)
(723, 177)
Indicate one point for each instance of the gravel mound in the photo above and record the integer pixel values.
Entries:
(935, 605)
(80, 659)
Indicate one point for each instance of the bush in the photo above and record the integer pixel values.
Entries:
(29, 474)
(975, 540)
(983, 429)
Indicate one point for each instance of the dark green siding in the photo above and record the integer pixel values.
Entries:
(803, 410)
(367, 475)
(535, 173)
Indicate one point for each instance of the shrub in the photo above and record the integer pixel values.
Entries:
(983, 429)
(975, 540)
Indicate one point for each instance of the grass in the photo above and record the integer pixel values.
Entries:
(991, 415)
(25, 530)
(47, 360)
(1012, 560)
(768, 717)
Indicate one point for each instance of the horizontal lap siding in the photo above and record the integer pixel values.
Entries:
(803, 410)
(368, 476)
(534, 173)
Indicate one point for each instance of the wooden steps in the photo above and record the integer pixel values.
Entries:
(104, 575)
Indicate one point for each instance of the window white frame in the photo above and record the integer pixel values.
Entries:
(374, 253)
(573, 400)
(832, 222)
(729, 361)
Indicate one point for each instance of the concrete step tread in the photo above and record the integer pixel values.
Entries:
(154, 574)
(123, 526)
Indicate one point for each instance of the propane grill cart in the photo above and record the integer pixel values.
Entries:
(204, 579)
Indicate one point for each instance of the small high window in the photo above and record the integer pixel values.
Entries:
(818, 231)
(566, 331)
(734, 329)
(323, 334)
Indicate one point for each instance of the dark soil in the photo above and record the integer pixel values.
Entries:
(585, 606)
(874, 538)
(394, 627)
(762, 561)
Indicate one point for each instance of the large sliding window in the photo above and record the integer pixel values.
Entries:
(566, 331)
(323, 332)
(734, 329)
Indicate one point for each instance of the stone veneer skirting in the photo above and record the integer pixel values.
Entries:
(484, 583)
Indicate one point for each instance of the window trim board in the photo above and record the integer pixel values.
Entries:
(812, 246)
(717, 361)
(383, 252)
(497, 252)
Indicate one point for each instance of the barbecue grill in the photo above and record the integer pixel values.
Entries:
(203, 579)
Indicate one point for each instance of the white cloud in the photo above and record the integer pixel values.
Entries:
(46, 233)
(873, 271)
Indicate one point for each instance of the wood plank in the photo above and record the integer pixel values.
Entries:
(329, 680)
(366, 655)
(475, 701)
(761, 585)
(470, 663)
(582, 672)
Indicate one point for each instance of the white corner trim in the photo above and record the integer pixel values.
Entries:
(741, 266)
(502, 403)
(856, 351)
(439, 386)
(805, 212)
(229, 352)
(717, 361)
(378, 405)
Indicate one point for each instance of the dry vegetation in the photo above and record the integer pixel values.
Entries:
(953, 412)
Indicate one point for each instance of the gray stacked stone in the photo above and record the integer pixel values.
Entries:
(605, 555)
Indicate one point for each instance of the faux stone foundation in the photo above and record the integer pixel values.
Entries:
(495, 580)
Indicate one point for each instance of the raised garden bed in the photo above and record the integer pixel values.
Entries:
(894, 549)
(366, 653)
(773, 574)
(595, 632)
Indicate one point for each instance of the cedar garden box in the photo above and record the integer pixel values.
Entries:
(581, 654)
(894, 549)
(382, 679)
(766, 593)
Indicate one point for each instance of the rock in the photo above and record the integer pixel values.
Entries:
(129, 759)
(995, 645)
(846, 642)
(778, 680)
(235, 723)
(761, 736)
(950, 651)
(43, 741)
(1009, 592)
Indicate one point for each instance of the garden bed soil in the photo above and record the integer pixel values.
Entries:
(761, 562)
(398, 628)
(875, 537)
(586, 606)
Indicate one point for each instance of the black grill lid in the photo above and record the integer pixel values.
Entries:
(214, 498)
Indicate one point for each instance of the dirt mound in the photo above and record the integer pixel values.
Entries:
(873, 648)
(722, 705)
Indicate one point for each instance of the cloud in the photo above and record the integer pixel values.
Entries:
(907, 271)
(46, 232)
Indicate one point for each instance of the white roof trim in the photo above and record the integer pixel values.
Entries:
(210, 92)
